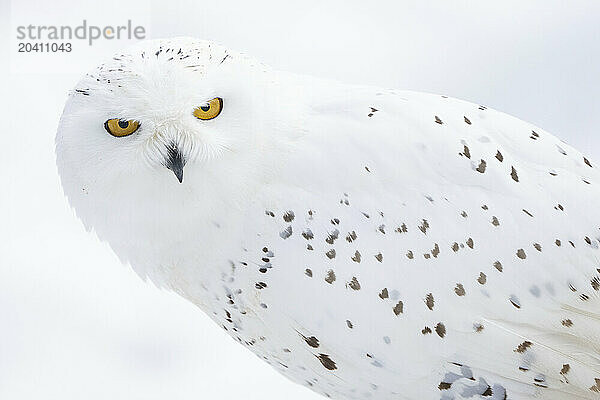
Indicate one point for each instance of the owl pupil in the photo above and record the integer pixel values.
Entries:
(123, 124)
(205, 108)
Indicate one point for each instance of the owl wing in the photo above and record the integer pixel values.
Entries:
(415, 246)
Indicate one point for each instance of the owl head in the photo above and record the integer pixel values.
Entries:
(172, 131)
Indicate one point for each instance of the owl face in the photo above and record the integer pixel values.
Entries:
(162, 104)
(170, 125)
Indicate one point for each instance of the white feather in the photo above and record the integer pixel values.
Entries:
(367, 243)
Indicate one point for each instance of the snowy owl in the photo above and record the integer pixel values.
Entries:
(366, 243)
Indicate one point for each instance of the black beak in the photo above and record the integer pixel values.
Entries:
(175, 161)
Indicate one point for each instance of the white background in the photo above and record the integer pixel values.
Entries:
(76, 324)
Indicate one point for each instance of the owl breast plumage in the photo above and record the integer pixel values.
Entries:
(408, 246)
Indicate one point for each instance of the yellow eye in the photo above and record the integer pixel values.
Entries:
(121, 128)
(210, 110)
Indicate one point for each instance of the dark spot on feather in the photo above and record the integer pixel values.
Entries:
(351, 236)
(498, 265)
(307, 234)
(440, 329)
(499, 156)
(311, 341)
(398, 308)
(466, 151)
(424, 225)
(534, 135)
(467, 120)
(332, 236)
(459, 289)
(286, 233)
(470, 242)
(514, 175)
(521, 254)
(330, 278)
(224, 58)
(438, 120)
(356, 257)
(573, 289)
(288, 216)
(587, 162)
(426, 330)
(584, 297)
(373, 111)
(481, 167)
(482, 278)
(522, 348)
(308, 272)
(384, 294)
(326, 361)
(539, 383)
(429, 301)
(402, 229)
(435, 251)
(330, 254)
(567, 323)
(515, 301)
(354, 284)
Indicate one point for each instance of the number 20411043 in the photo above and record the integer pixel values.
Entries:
(26, 47)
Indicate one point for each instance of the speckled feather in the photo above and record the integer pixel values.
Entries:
(366, 243)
